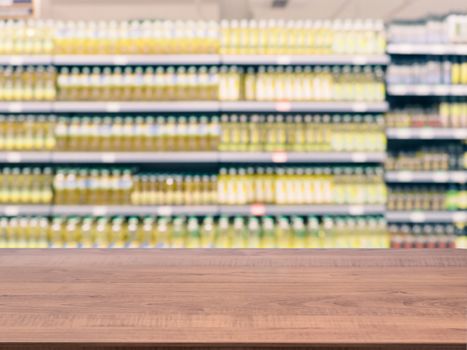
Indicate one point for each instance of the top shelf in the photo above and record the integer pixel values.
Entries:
(123, 60)
(427, 49)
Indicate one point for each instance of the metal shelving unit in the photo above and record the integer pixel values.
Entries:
(323, 107)
(192, 106)
(136, 210)
(25, 60)
(426, 176)
(259, 209)
(427, 90)
(426, 134)
(19, 210)
(123, 60)
(208, 59)
(26, 107)
(191, 157)
(426, 216)
(25, 157)
(136, 106)
(305, 59)
(134, 157)
(229, 210)
(427, 49)
(302, 157)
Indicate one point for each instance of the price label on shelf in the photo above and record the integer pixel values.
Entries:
(405, 176)
(13, 157)
(279, 157)
(440, 176)
(164, 211)
(11, 210)
(99, 211)
(359, 157)
(108, 157)
(427, 134)
(356, 210)
(16, 60)
(283, 60)
(258, 210)
(15, 107)
(120, 60)
(112, 107)
(417, 217)
(359, 107)
(359, 60)
(283, 106)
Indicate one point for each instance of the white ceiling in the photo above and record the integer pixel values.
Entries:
(217, 9)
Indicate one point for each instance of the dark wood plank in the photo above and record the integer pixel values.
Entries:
(374, 299)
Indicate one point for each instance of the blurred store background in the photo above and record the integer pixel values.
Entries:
(233, 124)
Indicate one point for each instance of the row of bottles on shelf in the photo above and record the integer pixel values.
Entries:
(433, 197)
(267, 83)
(303, 133)
(234, 132)
(451, 113)
(193, 37)
(27, 83)
(452, 71)
(224, 232)
(428, 235)
(192, 232)
(289, 185)
(428, 158)
(270, 185)
(432, 30)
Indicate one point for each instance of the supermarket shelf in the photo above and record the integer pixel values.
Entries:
(192, 106)
(190, 157)
(301, 157)
(427, 49)
(18, 210)
(426, 176)
(426, 216)
(426, 133)
(259, 209)
(20, 107)
(111, 210)
(122, 60)
(305, 59)
(134, 157)
(427, 90)
(229, 210)
(253, 106)
(25, 157)
(20, 60)
(114, 107)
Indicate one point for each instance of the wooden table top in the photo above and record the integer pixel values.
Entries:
(234, 297)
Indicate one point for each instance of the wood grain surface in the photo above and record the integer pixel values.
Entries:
(373, 299)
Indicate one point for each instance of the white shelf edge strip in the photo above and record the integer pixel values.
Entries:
(192, 157)
(426, 133)
(141, 59)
